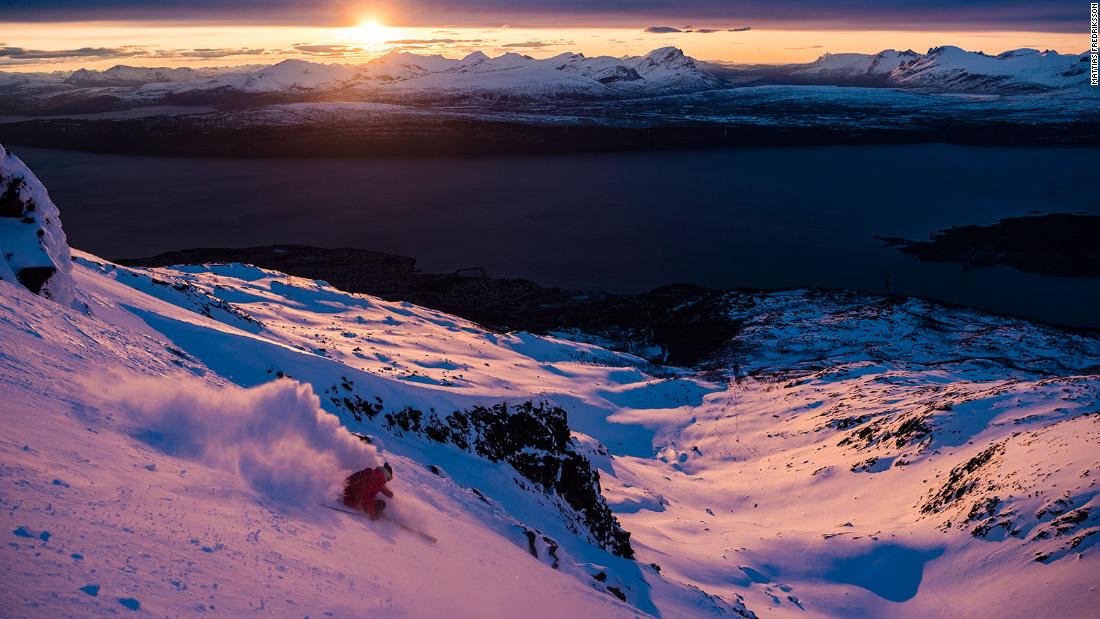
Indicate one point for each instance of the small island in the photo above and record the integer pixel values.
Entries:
(1061, 244)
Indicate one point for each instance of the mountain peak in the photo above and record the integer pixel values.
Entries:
(1023, 51)
(948, 50)
(475, 57)
(665, 55)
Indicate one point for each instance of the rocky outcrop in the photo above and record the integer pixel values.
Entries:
(533, 438)
(33, 250)
(1035, 487)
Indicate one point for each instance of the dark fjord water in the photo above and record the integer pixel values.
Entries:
(765, 218)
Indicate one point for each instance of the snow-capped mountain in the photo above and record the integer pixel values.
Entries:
(952, 68)
(843, 68)
(122, 75)
(509, 75)
(171, 437)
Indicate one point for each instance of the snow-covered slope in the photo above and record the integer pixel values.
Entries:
(138, 479)
(186, 425)
(169, 444)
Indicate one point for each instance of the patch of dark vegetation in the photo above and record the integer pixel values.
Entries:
(680, 324)
(533, 438)
(1058, 244)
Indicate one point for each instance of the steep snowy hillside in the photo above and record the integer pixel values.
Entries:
(173, 440)
(841, 455)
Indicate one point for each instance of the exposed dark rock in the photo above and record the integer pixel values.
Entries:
(533, 438)
(531, 543)
(900, 430)
(11, 205)
(552, 550)
(34, 278)
(962, 479)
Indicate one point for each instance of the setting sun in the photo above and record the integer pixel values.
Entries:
(369, 33)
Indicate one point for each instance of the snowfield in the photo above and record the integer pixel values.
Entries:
(173, 433)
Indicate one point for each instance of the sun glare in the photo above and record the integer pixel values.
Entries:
(369, 33)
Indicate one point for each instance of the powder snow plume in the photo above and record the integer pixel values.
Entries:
(275, 437)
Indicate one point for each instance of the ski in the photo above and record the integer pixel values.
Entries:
(422, 535)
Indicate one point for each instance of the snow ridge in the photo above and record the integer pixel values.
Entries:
(34, 250)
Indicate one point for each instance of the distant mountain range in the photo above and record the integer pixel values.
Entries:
(397, 75)
(943, 69)
(406, 76)
(516, 103)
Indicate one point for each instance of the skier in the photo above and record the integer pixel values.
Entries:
(361, 490)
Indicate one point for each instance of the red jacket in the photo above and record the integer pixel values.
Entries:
(361, 488)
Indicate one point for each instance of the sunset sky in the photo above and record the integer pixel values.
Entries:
(47, 35)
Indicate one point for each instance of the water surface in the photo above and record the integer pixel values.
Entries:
(764, 218)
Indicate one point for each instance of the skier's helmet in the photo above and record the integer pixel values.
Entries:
(388, 470)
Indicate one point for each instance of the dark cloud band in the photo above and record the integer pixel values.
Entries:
(19, 55)
(1044, 15)
(671, 29)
